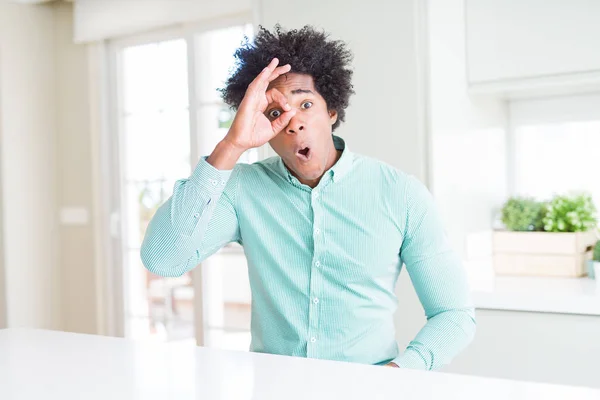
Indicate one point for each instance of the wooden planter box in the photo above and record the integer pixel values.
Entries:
(542, 253)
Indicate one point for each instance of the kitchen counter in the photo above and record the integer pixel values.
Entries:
(579, 296)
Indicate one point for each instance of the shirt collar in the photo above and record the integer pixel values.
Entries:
(339, 169)
(344, 164)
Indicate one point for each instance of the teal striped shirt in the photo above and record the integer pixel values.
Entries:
(323, 263)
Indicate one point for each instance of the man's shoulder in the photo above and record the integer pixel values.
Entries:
(373, 166)
(382, 174)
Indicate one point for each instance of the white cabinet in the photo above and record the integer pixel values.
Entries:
(532, 43)
(539, 347)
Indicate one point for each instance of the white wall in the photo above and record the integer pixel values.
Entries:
(28, 165)
(74, 151)
(468, 135)
(384, 119)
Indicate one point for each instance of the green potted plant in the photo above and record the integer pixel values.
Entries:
(521, 214)
(553, 238)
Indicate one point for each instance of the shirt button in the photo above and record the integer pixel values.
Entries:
(317, 231)
(313, 339)
(316, 194)
(318, 264)
(196, 215)
(223, 183)
(316, 301)
(214, 182)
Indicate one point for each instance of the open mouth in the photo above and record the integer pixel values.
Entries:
(304, 153)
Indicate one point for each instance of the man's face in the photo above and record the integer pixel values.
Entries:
(305, 145)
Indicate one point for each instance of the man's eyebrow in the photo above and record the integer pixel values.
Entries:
(299, 91)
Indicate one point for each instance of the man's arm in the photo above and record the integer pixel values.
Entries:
(201, 216)
(440, 282)
(197, 220)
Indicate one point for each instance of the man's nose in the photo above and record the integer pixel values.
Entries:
(295, 126)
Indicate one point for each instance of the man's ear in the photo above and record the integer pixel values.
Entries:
(333, 116)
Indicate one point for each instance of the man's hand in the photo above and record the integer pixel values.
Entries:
(393, 365)
(251, 128)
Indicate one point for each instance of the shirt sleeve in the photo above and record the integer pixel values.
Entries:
(197, 220)
(440, 282)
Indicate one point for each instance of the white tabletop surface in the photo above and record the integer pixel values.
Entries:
(55, 365)
(538, 294)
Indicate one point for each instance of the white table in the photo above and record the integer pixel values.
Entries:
(62, 366)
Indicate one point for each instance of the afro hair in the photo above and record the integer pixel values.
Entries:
(308, 51)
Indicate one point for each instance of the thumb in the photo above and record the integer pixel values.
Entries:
(284, 119)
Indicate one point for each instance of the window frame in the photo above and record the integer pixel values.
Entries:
(107, 56)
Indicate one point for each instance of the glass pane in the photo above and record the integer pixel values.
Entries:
(158, 308)
(136, 279)
(155, 77)
(142, 200)
(227, 300)
(215, 61)
(558, 158)
(157, 145)
(250, 156)
(140, 68)
(214, 121)
(173, 66)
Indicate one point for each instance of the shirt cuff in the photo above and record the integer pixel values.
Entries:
(208, 178)
(411, 360)
(207, 184)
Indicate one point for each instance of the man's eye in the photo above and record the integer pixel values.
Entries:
(275, 114)
(306, 104)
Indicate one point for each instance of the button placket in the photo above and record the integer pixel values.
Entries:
(316, 278)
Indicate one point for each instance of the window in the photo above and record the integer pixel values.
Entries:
(556, 144)
(558, 158)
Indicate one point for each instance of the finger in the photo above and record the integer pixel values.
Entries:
(277, 72)
(264, 75)
(284, 119)
(263, 83)
(275, 96)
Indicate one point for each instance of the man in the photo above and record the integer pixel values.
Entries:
(325, 231)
